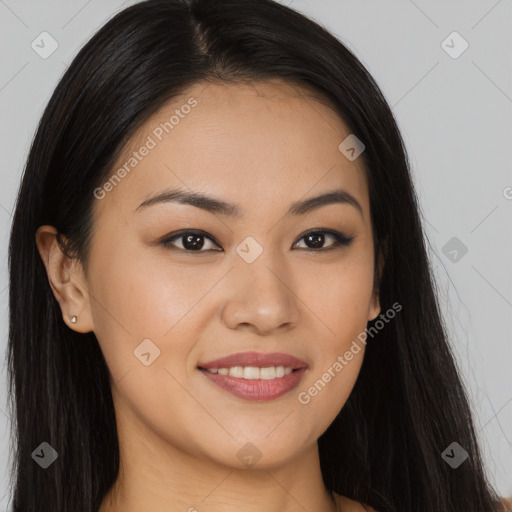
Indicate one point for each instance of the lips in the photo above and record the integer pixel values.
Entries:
(256, 359)
(265, 376)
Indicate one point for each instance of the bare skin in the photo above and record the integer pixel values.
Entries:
(262, 146)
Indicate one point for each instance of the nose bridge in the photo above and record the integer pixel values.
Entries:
(259, 290)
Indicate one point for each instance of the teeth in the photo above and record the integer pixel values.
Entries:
(236, 371)
(270, 373)
(253, 372)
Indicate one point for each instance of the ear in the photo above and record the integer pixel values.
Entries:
(375, 303)
(66, 279)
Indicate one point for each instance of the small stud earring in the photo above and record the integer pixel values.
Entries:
(73, 319)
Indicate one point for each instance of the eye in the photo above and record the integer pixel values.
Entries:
(316, 239)
(192, 241)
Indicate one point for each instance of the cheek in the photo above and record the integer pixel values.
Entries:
(326, 390)
(134, 298)
(136, 301)
(339, 294)
(337, 361)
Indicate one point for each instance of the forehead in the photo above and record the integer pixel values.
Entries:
(259, 144)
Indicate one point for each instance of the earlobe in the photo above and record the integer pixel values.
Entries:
(66, 280)
(375, 306)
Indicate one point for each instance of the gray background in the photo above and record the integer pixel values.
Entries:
(456, 118)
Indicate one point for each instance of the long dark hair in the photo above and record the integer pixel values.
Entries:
(385, 446)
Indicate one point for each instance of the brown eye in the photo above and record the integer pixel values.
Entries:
(191, 241)
(199, 241)
(315, 240)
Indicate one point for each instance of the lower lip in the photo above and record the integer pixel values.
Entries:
(257, 390)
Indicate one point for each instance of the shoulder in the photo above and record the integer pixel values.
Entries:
(348, 505)
(507, 504)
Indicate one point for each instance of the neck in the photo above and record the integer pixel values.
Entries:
(156, 476)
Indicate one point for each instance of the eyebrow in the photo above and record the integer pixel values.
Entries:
(217, 206)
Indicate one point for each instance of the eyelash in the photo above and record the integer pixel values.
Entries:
(340, 240)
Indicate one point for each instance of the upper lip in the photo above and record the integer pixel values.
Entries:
(255, 359)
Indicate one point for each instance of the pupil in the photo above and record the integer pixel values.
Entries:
(191, 242)
(319, 237)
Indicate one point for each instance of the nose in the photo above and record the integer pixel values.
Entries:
(260, 297)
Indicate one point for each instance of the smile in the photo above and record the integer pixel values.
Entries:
(255, 376)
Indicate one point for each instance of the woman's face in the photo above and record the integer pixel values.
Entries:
(164, 302)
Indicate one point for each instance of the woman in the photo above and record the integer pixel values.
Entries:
(220, 295)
